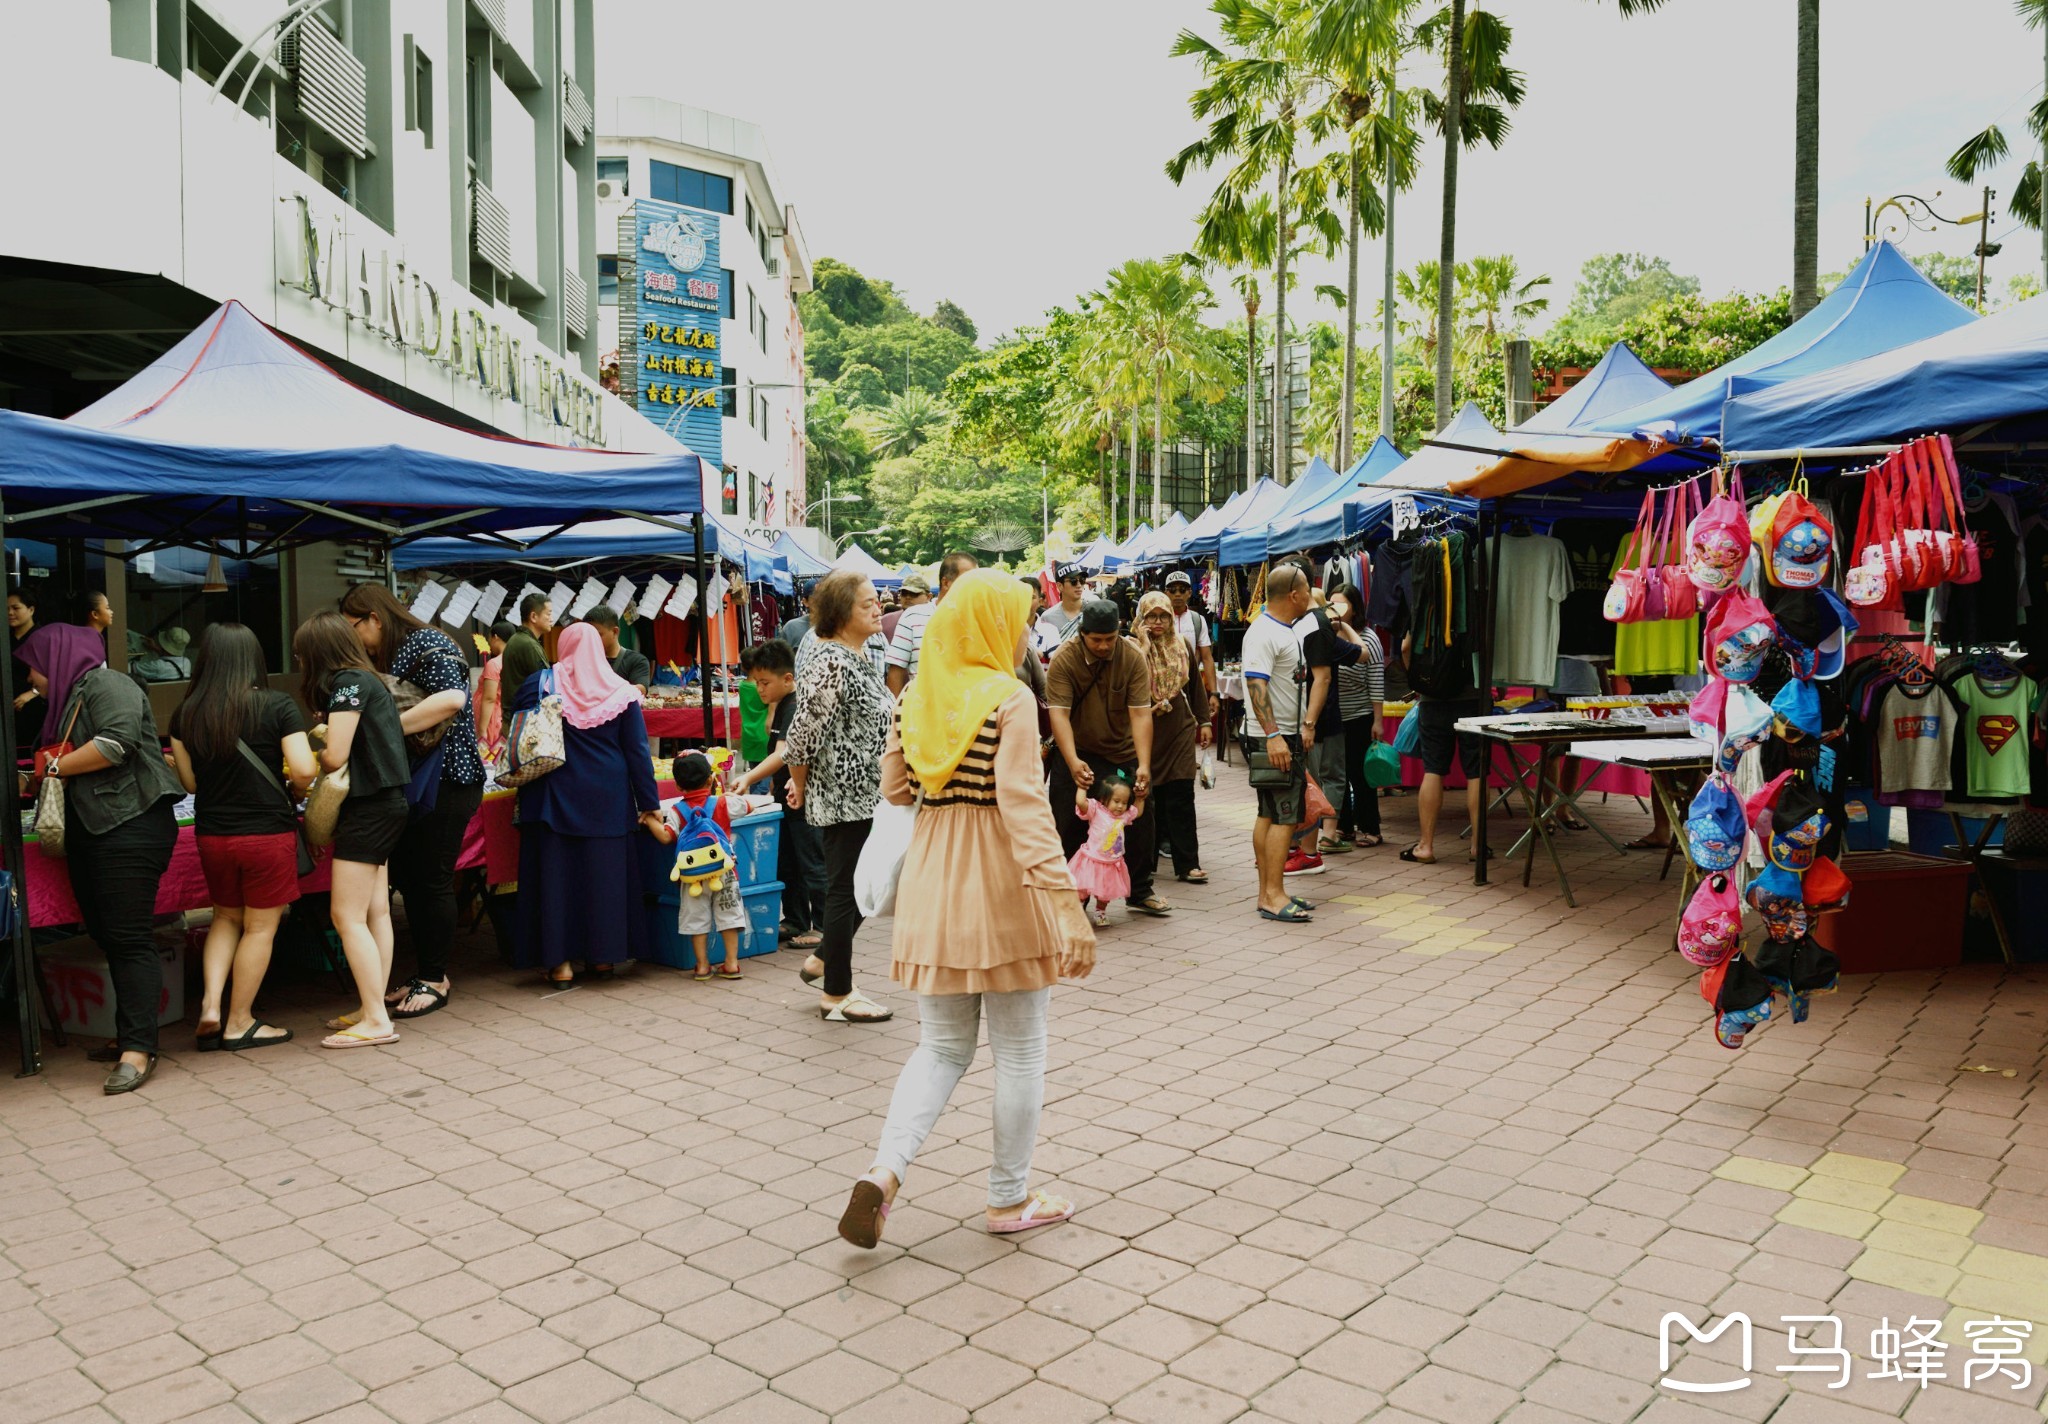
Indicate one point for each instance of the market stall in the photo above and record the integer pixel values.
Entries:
(238, 442)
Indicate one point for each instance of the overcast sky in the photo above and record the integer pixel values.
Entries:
(1006, 157)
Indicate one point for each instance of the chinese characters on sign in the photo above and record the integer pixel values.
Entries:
(671, 306)
(1913, 1353)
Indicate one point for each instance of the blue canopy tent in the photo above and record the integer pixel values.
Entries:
(603, 539)
(1123, 553)
(1458, 452)
(1988, 372)
(1165, 540)
(1323, 522)
(1244, 543)
(802, 562)
(854, 557)
(1261, 502)
(1206, 526)
(238, 441)
(1092, 557)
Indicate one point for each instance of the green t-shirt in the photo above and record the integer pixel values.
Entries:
(1670, 648)
(1995, 733)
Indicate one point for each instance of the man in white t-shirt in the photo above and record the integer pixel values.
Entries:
(1057, 623)
(908, 641)
(1180, 588)
(1275, 676)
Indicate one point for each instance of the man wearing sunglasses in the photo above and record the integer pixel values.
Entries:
(1057, 623)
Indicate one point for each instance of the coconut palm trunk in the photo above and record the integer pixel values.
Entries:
(1806, 164)
(1131, 513)
(1251, 388)
(1350, 406)
(1158, 440)
(1447, 250)
(1283, 454)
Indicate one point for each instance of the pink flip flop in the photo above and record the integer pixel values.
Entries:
(1041, 1210)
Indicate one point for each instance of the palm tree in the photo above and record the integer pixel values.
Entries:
(1496, 297)
(911, 418)
(2029, 204)
(1239, 236)
(1806, 163)
(1149, 329)
(1251, 99)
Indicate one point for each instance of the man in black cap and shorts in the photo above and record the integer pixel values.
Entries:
(1099, 692)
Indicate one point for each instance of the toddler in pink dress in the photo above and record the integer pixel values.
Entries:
(1098, 867)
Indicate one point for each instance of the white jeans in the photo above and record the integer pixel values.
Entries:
(950, 1025)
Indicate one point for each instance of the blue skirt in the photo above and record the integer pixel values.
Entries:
(579, 899)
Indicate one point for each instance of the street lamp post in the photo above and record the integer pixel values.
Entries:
(826, 504)
(1919, 214)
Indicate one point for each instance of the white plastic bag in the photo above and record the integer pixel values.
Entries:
(1208, 768)
(881, 860)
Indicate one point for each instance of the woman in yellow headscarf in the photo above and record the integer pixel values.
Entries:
(987, 917)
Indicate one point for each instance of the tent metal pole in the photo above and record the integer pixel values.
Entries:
(1756, 457)
(17, 869)
(704, 630)
(1488, 513)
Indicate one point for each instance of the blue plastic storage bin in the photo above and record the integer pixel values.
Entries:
(756, 841)
(764, 918)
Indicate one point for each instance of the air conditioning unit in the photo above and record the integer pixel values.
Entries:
(607, 189)
(775, 266)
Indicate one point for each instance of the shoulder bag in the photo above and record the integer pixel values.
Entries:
(409, 695)
(49, 822)
(324, 803)
(1626, 596)
(298, 828)
(536, 743)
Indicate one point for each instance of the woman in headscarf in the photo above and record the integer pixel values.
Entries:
(986, 914)
(119, 830)
(579, 875)
(1180, 724)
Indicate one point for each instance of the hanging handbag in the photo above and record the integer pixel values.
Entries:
(1626, 595)
(1967, 566)
(49, 819)
(535, 744)
(1681, 594)
(305, 851)
(409, 695)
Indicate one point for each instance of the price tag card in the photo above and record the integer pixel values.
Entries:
(1406, 516)
(490, 603)
(461, 604)
(654, 598)
(428, 601)
(620, 596)
(685, 601)
(561, 596)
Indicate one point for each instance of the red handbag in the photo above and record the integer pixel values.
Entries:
(1625, 596)
(1681, 594)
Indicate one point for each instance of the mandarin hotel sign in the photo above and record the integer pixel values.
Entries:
(369, 284)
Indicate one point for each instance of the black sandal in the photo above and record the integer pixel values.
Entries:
(250, 1040)
(420, 986)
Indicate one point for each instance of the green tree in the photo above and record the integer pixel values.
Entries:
(852, 298)
(2028, 204)
(1496, 299)
(1240, 237)
(1615, 288)
(1955, 275)
(861, 386)
(912, 418)
(1684, 333)
(948, 317)
(1148, 326)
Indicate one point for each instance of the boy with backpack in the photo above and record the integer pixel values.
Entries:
(715, 904)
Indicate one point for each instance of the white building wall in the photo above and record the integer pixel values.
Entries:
(143, 171)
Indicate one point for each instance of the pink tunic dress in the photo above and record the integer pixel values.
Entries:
(1098, 867)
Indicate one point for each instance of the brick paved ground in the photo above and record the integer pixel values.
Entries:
(1446, 1155)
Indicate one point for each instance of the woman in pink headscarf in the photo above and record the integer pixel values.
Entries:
(579, 872)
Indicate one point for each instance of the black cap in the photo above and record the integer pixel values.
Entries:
(1069, 571)
(1098, 615)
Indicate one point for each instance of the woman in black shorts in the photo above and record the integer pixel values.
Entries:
(341, 688)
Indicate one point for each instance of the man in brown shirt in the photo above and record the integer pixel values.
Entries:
(1098, 691)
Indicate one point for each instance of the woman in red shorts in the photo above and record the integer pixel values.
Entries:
(238, 745)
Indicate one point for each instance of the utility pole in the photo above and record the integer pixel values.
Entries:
(1387, 296)
(1045, 500)
(1983, 246)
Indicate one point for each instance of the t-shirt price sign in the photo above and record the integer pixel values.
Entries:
(1407, 518)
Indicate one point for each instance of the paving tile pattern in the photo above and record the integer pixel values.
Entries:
(1447, 1155)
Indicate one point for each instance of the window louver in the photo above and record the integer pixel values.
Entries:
(333, 85)
(576, 115)
(575, 300)
(490, 227)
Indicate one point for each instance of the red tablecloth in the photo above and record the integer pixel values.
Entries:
(688, 722)
(491, 840)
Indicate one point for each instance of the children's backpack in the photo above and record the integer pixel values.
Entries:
(703, 850)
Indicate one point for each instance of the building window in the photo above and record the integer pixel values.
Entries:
(613, 171)
(692, 187)
(168, 609)
(728, 399)
(607, 281)
(726, 292)
(423, 97)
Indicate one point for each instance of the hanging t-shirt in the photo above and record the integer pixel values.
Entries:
(1988, 611)
(1914, 732)
(1590, 545)
(1995, 732)
(1668, 648)
(1535, 579)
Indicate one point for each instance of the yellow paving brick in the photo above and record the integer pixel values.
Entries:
(1487, 946)
(1858, 1169)
(1840, 1191)
(1904, 1239)
(1427, 948)
(1934, 1215)
(1826, 1216)
(2003, 1265)
(1907, 1273)
(1779, 1176)
(1954, 1331)
(2008, 1298)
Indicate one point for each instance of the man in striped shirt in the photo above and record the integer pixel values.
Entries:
(909, 639)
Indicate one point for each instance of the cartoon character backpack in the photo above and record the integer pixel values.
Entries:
(703, 850)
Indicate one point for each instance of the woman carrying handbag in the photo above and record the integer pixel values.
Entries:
(118, 830)
(339, 686)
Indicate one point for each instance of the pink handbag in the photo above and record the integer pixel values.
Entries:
(1626, 596)
(1681, 594)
